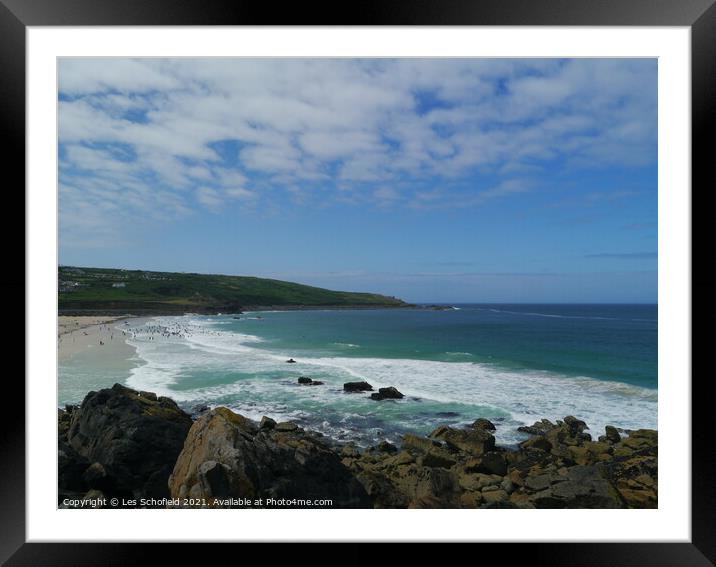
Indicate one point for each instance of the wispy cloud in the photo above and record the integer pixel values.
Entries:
(166, 137)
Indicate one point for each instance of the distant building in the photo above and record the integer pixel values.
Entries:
(120, 284)
(68, 286)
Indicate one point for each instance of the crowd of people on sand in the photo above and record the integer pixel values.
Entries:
(176, 329)
(104, 330)
(148, 332)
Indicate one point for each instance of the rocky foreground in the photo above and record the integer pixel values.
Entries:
(144, 450)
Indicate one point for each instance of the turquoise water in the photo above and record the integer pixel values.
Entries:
(513, 364)
(608, 342)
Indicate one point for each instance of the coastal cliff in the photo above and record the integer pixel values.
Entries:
(121, 443)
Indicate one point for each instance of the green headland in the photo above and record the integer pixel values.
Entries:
(105, 290)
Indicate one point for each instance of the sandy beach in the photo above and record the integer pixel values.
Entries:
(78, 334)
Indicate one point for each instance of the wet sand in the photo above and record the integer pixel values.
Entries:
(79, 334)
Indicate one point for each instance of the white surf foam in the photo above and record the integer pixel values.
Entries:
(526, 395)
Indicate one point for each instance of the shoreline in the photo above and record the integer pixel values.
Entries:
(131, 313)
(76, 335)
(112, 352)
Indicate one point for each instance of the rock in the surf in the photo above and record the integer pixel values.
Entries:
(357, 387)
(389, 393)
(304, 381)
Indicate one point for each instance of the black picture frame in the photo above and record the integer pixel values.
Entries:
(699, 15)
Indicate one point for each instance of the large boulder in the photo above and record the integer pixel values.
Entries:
(579, 487)
(228, 456)
(612, 434)
(541, 443)
(482, 423)
(474, 442)
(538, 428)
(575, 425)
(131, 440)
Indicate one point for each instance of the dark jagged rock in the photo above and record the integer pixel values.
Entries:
(411, 486)
(558, 468)
(389, 393)
(115, 443)
(541, 443)
(95, 476)
(575, 425)
(563, 437)
(386, 447)
(357, 387)
(612, 434)
(436, 458)
(539, 428)
(286, 426)
(309, 381)
(482, 423)
(133, 438)
(635, 472)
(492, 462)
(581, 487)
(63, 422)
(476, 442)
(70, 468)
(223, 457)
(411, 441)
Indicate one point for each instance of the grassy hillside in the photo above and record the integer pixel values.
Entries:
(137, 291)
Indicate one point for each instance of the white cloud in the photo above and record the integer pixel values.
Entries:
(210, 198)
(239, 193)
(95, 74)
(346, 123)
(386, 194)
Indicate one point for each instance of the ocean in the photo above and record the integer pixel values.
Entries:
(512, 364)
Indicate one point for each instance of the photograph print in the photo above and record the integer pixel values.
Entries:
(357, 283)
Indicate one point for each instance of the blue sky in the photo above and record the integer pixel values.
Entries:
(446, 180)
